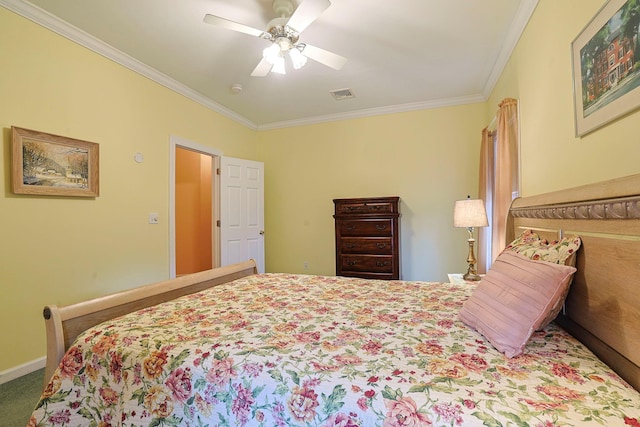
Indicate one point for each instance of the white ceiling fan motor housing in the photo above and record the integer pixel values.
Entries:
(283, 8)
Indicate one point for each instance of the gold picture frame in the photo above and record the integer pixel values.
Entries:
(606, 69)
(51, 165)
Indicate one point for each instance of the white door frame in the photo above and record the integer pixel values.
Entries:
(175, 142)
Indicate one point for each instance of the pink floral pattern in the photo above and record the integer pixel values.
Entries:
(532, 246)
(296, 350)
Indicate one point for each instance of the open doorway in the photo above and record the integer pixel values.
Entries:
(194, 207)
(194, 211)
(236, 222)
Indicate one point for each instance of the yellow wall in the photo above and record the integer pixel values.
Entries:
(62, 250)
(539, 75)
(429, 158)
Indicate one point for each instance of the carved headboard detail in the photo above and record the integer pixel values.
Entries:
(627, 208)
(603, 306)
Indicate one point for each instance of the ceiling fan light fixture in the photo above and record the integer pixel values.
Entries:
(278, 66)
(272, 54)
(292, 17)
(297, 58)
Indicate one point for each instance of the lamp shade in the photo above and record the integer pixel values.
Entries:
(469, 213)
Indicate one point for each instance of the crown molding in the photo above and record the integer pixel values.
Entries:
(400, 108)
(58, 26)
(520, 21)
(53, 23)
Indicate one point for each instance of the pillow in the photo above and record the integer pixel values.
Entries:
(526, 238)
(532, 246)
(514, 299)
(562, 252)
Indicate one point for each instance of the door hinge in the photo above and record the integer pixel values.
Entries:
(217, 171)
(218, 223)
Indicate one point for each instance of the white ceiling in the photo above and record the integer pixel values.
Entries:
(402, 54)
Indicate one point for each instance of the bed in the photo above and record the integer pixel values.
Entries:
(230, 347)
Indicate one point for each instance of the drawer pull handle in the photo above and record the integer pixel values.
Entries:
(351, 263)
(381, 245)
(350, 246)
(382, 263)
(351, 227)
(381, 226)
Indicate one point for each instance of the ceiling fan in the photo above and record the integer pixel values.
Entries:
(284, 32)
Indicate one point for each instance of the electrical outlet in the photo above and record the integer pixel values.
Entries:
(305, 265)
(154, 218)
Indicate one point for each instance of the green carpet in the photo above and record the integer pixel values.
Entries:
(18, 398)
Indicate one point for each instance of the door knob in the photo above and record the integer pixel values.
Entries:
(262, 232)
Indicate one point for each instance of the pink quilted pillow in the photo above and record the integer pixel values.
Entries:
(514, 299)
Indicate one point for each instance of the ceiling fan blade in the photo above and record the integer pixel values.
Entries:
(230, 25)
(325, 57)
(262, 69)
(307, 12)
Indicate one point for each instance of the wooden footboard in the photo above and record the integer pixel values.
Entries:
(602, 308)
(64, 324)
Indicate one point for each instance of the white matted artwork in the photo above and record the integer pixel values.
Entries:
(606, 66)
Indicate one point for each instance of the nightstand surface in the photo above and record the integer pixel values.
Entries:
(456, 278)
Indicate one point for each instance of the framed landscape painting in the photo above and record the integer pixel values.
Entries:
(52, 165)
(606, 66)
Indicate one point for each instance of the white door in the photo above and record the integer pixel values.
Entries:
(241, 211)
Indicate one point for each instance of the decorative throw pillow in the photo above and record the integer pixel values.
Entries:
(562, 252)
(525, 239)
(530, 245)
(514, 299)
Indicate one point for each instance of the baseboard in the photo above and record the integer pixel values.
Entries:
(18, 371)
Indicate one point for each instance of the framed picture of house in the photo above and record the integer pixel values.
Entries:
(606, 66)
(52, 165)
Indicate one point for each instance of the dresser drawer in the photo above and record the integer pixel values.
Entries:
(382, 207)
(367, 237)
(367, 245)
(368, 263)
(369, 227)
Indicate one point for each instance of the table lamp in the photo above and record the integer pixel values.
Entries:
(470, 213)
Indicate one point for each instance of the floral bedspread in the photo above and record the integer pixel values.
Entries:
(297, 350)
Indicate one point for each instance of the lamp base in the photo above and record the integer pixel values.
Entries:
(472, 273)
(472, 277)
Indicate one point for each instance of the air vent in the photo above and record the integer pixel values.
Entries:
(339, 94)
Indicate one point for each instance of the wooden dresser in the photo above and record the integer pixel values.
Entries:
(368, 237)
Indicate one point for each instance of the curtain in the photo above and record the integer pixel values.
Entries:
(499, 178)
(485, 193)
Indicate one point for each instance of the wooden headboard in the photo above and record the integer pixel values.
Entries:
(603, 306)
